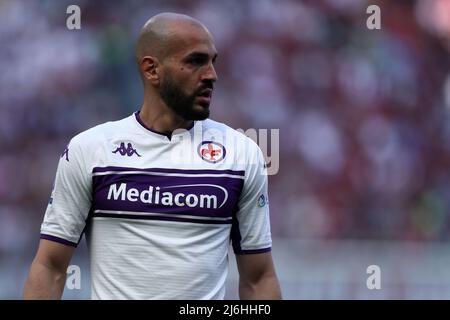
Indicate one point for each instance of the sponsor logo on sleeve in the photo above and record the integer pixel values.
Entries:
(262, 201)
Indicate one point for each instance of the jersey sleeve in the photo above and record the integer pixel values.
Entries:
(250, 231)
(70, 201)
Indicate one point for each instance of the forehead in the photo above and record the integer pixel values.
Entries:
(192, 39)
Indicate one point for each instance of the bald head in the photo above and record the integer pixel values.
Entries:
(175, 55)
(162, 33)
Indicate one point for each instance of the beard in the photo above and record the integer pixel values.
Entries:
(182, 104)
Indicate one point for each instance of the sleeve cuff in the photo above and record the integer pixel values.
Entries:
(253, 251)
(57, 239)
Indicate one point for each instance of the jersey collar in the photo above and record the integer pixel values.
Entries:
(160, 134)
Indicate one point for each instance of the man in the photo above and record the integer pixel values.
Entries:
(161, 193)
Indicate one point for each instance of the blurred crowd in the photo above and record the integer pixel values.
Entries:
(364, 115)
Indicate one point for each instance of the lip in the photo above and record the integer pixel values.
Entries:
(204, 99)
(206, 93)
(204, 96)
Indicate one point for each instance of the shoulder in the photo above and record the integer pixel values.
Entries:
(94, 136)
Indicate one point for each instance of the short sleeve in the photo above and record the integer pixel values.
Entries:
(70, 201)
(250, 231)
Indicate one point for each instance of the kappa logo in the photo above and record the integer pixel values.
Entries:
(66, 153)
(128, 151)
(211, 151)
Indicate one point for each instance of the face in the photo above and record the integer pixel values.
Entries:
(188, 80)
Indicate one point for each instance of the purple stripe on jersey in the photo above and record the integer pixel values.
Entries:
(169, 170)
(57, 239)
(235, 232)
(254, 251)
(198, 196)
(161, 218)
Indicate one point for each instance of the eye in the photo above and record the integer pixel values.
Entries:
(196, 61)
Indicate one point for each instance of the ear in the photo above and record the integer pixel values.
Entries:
(150, 69)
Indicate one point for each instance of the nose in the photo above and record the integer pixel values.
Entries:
(210, 74)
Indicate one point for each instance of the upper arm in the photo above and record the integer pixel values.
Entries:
(254, 267)
(54, 255)
(48, 271)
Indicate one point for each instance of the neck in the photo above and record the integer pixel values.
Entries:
(156, 115)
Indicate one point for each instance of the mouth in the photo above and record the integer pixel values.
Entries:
(205, 93)
(205, 97)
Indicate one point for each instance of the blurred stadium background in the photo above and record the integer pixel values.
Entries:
(364, 119)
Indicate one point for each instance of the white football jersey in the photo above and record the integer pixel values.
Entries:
(159, 212)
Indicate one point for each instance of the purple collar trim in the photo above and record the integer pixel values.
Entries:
(169, 136)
